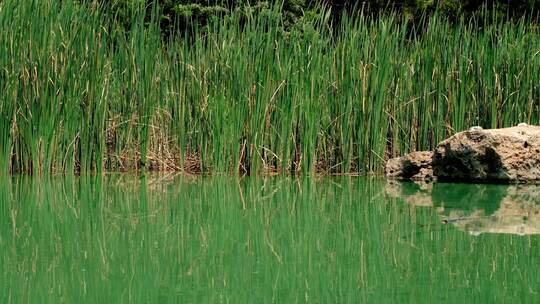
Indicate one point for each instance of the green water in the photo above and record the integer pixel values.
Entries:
(125, 239)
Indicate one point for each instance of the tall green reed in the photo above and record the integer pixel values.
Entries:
(80, 93)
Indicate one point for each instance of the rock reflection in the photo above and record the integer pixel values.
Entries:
(476, 208)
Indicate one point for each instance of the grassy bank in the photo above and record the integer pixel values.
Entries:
(80, 94)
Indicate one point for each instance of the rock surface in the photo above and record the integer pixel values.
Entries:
(494, 155)
(415, 165)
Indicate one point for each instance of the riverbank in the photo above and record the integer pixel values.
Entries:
(79, 94)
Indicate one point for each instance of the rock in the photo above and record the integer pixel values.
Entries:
(415, 165)
(476, 128)
(493, 155)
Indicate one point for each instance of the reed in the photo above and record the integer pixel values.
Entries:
(80, 93)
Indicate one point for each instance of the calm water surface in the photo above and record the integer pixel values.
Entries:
(164, 239)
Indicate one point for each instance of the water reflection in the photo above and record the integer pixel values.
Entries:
(476, 208)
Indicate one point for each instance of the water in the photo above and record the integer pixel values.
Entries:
(163, 239)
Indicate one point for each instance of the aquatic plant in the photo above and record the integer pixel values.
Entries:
(80, 93)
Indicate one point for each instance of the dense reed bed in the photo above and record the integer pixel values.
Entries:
(79, 93)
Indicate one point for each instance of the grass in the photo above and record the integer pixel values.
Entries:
(79, 93)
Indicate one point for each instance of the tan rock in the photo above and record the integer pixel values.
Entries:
(415, 165)
(496, 155)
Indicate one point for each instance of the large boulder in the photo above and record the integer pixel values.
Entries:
(415, 165)
(494, 155)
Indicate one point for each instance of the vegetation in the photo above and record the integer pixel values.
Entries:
(80, 92)
(184, 14)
